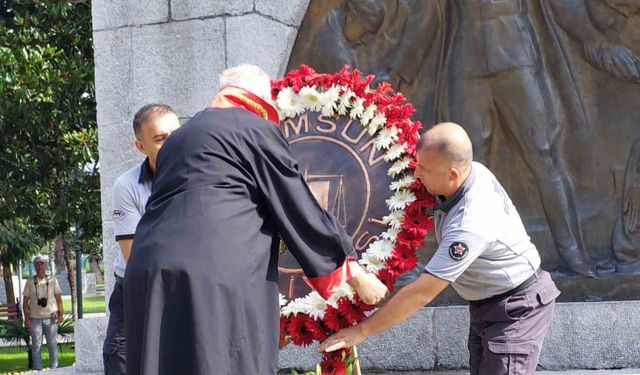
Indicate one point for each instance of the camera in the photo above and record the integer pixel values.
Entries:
(42, 302)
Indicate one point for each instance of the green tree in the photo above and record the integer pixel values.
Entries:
(18, 241)
(48, 151)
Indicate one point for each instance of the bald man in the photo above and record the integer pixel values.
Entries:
(485, 254)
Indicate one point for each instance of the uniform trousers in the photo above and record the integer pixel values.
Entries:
(507, 331)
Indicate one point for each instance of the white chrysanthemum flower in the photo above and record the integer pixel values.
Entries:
(394, 219)
(381, 249)
(399, 166)
(345, 101)
(372, 263)
(386, 137)
(377, 123)
(285, 98)
(328, 109)
(347, 94)
(378, 120)
(394, 152)
(358, 109)
(288, 103)
(292, 308)
(345, 290)
(342, 109)
(400, 199)
(317, 305)
(402, 183)
(311, 98)
(332, 94)
(391, 234)
(330, 101)
(282, 299)
(368, 114)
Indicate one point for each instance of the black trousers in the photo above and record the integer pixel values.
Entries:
(114, 349)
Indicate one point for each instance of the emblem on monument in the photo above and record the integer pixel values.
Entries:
(347, 175)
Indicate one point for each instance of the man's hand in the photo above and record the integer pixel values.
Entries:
(60, 317)
(369, 288)
(27, 323)
(345, 338)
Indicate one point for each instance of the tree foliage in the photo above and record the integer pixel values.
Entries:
(48, 133)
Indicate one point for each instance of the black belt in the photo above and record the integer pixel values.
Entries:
(527, 283)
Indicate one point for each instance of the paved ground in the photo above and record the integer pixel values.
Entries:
(71, 371)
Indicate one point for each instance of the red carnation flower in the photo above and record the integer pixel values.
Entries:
(388, 277)
(334, 319)
(333, 366)
(403, 259)
(363, 306)
(409, 240)
(284, 322)
(417, 225)
(420, 207)
(304, 330)
(351, 313)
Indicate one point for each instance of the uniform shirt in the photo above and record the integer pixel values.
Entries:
(46, 287)
(130, 195)
(483, 248)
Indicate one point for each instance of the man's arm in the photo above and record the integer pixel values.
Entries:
(58, 298)
(125, 218)
(404, 304)
(26, 312)
(125, 248)
(57, 294)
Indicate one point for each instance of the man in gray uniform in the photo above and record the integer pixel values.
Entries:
(152, 125)
(484, 253)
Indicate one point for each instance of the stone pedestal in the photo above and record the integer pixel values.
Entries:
(601, 335)
(588, 335)
(89, 335)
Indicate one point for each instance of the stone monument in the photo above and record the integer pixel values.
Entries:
(551, 107)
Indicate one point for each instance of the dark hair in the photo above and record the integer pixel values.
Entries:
(149, 112)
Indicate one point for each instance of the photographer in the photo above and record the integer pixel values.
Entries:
(41, 314)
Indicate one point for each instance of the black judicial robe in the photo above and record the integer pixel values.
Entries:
(201, 293)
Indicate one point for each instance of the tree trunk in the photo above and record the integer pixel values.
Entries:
(51, 246)
(7, 275)
(95, 267)
(69, 258)
(58, 245)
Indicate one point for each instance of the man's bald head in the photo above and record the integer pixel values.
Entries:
(451, 142)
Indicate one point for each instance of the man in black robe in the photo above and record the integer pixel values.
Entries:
(201, 293)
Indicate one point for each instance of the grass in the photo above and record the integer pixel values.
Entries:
(15, 359)
(89, 305)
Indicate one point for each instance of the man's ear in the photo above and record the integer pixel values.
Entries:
(140, 146)
(454, 173)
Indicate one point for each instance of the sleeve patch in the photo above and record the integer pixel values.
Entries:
(458, 251)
